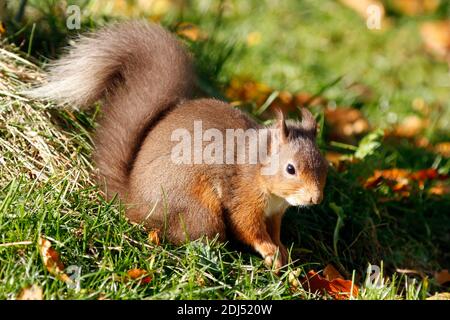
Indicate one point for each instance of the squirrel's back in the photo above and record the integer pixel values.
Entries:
(140, 71)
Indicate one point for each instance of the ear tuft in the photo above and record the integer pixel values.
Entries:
(281, 126)
(308, 121)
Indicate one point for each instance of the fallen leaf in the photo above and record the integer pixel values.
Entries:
(416, 7)
(339, 289)
(442, 277)
(334, 158)
(51, 260)
(304, 99)
(425, 174)
(346, 124)
(140, 274)
(410, 127)
(153, 237)
(399, 180)
(190, 31)
(363, 92)
(124, 8)
(293, 278)
(244, 90)
(2, 28)
(436, 37)
(439, 189)
(200, 280)
(33, 292)
(331, 273)
(440, 296)
(443, 149)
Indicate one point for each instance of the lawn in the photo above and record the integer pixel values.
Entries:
(387, 199)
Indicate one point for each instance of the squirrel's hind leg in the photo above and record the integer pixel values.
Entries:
(194, 222)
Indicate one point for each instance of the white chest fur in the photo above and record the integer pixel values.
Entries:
(275, 205)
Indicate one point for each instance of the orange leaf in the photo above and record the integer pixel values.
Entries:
(2, 28)
(416, 7)
(442, 276)
(399, 180)
(153, 237)
(335, 158)
(443, 148)
(410, 127)
(31, 293)
(331, 273)
(426, 174)
(346, 124)
(395, 175)
(140, 274)
(51, 260)
(190, 31)
(436, 36)
(339, 289)
(306, 99)
(440, 189)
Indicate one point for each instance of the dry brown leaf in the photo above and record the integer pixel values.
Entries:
(293, 278)
(155, 9)
(436, 37)
(304, 99)
(443, 149)
(346, 124)
(416, 7)
(399, 180)
(442, 276)
(440, 296)
(334, 158)
(410, 127)
(440, 189)
(51, 260)
(2, 28)
(33, 292)
(331, 273)
(153, 237)
(247, 90)
(190, 31)
(244, 90)
(339, 289)
(362, 91)
(140, 274)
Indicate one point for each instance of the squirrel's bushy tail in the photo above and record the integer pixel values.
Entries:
(139, 70)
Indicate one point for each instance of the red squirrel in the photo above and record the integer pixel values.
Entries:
(146, 81)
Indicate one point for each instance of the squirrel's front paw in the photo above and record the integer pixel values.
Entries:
(274, 261)
(274, 257)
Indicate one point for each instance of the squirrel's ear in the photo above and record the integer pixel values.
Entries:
(281, 126)
(308, 122)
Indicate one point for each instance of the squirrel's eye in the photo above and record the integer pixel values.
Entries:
(290, 169)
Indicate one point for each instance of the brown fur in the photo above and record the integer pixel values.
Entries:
(146, 80)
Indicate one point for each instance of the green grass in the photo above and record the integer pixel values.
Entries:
(46, 187)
